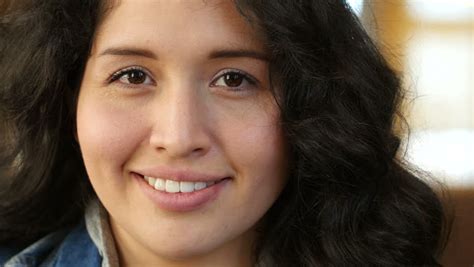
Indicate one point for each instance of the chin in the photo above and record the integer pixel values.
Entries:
(185, 250)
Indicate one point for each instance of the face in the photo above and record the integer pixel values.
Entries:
(176, 98)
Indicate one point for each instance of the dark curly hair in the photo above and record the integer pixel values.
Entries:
(350, 200)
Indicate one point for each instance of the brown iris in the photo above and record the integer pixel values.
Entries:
(233, 79)
(136, 77)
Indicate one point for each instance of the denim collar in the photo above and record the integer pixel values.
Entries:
(90, 243)
(67, 247)
(98, 227)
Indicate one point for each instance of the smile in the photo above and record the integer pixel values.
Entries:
(191, 192)
(171, 186)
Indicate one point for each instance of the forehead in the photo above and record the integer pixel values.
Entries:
(184, 25)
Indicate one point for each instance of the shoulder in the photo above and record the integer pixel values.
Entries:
(66, 247)
(7, 252)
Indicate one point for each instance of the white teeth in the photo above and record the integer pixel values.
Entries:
(172, 186)
(186, 187)
(160, 184)
(200, 185)
(151, 181)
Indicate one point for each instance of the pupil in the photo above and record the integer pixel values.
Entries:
(233, 79)
(136, 77)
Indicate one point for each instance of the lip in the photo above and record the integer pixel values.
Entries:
(181, 202)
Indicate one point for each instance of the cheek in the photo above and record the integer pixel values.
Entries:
(261, 143)
(107, 135)
(258, 152)
(258, 156)
(260, 149)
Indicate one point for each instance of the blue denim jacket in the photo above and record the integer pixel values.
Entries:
(67, 247)
(90, 243)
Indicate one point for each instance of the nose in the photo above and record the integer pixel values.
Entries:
(180, 124)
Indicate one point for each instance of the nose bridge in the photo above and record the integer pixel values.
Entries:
(180, 125)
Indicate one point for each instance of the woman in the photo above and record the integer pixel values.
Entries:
(203, 133)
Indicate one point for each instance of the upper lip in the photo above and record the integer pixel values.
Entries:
(180, 175)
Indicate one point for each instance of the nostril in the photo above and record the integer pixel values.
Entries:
(198, 150)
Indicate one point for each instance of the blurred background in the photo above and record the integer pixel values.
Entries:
(431, 42)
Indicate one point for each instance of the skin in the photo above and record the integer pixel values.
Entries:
(183, 116)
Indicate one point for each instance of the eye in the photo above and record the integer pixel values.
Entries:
(234, 79)
(132, 76)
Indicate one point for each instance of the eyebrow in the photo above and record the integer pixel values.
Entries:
(128, 51)
(239, 53)
(224, 53)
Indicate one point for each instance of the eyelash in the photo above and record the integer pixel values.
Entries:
(119, 74)
(116, 76)
(247, 77)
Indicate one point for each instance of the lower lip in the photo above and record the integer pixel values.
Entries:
(180, 202)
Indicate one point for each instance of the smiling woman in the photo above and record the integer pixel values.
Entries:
(188, 108)
(203, 133)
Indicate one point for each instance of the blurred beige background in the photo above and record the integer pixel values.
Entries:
(432, 43)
